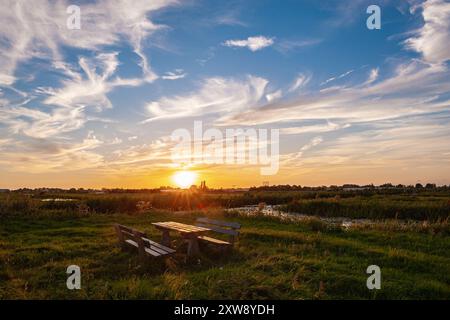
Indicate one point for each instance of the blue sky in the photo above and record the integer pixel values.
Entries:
(95, 107)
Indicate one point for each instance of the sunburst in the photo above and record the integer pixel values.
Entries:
(184, 179)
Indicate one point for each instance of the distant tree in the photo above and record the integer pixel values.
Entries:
(419, 186)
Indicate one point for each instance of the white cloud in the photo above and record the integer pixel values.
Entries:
(61, 120)
(156, 153)
(6, 79)
(252, 43)
(373, 76)
(116, 140)
(215, 95)
(230, 18)
(273, 96)
(174, 75)
(78, 92)
(433, 39)
(299, 82)
(314, 142)
(337, 77)
(330, 126)
(290, 159)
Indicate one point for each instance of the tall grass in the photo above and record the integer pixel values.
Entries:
(373, 208)
(431, 206)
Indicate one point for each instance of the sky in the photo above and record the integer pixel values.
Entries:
(97, 106)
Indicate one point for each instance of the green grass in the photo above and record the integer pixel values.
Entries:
(273, 260)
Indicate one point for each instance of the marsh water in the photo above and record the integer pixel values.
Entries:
(274, 211)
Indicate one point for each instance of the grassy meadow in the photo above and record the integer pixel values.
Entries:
(274, 259)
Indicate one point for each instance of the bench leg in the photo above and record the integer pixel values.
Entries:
(193, 248)
(165, 238)
(120, 236)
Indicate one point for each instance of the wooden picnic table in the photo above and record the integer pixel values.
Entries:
(189, 232)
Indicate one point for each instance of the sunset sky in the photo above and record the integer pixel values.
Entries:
(96, 107)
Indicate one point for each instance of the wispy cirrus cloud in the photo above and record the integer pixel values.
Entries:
(396, 143)
(158, 152)
(38, 29)
(299, 82)
(89, 90)
(80, 94)
(228, 18)
(274, 96)
(174, 75)
(414, 88)
(343, 75)
(252, 43)
(317, 128)
(41, 155)
(373, 76)
(214, 96)
(288, 45)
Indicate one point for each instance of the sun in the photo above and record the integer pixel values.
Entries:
(184, 179)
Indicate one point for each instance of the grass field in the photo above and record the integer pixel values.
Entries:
(273, 259)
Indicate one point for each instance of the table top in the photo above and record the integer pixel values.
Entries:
(180, 227)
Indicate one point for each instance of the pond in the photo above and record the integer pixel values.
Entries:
(274, 211)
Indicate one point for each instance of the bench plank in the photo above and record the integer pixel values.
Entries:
(233, 233)
(159, 246)
(137, 239)
(179, 227)
(148, 250)
(154, 253)
(223, 227)
(158, 250)
(233, 225)
(131, 242)
(215, 241)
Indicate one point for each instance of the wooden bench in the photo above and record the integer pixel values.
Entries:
(229, 228)
(131, 238)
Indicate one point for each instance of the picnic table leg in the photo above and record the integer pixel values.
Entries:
(166, 238)
(193, 249)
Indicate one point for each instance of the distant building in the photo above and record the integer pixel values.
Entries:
(4, 190)
(203, 186)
